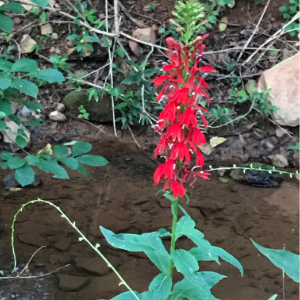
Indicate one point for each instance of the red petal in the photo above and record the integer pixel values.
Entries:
(204, 120)
(168, 67)
(159, 80)
(206, 69)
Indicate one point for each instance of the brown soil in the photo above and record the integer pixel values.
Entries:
(121, 197)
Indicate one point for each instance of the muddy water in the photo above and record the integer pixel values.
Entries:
(121, 197)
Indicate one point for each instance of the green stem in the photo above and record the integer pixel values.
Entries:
(82, 237)
(173, 238)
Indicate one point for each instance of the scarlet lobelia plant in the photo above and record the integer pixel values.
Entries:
(181, 137)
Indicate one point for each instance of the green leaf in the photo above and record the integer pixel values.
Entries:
(16, 162)
(92, 160)
(41, 3)
(21, 141)
(285, 260)
(53, 167)
(224, 180)
(60, 151)
(70, 162)
(185, 262)
(211, 278)
(184, 225)
(193, 287)
(43, 17)
(121, 52)
(2, 125)
(34, 123)
(82, 170)
(4, 165)
(25, 175)
(50, 75)
(81, 148)
(5, 81)
(13, 6)
(228, 257)
(273, 51)
(24, 65)
(5, 106)
(25, 86)
(6, 23)
(72, 37)
(273, 297)
(150, 243)
(33, 105)
(15, 118)
(6, 155)
(294, 147)
(5, 65)
(33, 160)
(159, 288)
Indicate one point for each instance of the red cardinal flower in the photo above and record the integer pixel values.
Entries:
(177, 124)
(164, 171)
(188, 118)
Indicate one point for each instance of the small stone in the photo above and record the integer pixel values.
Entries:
(63, 244)
(54, 125)
(145, 34)
(70, 283)
(270, 147)
(57, 116)
(27, 44)
(11, 182)
(28, 6)
(17, 21)
(33, 239)
(278, 160)
(60, 107)
(135, 48)
(46, 29)
(258, 134)
(60, 138)
(54, 36)
(206, 149)
(279, 132)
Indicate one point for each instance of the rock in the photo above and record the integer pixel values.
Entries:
(17, 21)
(27, 44)
(63, 244)
(70, 283)
(96, 265)
(258, 134)
(269, 145)
(60, 107)
(11, 182)
(278, 160)
(28, 6)
(136, 48)
(46, 29)
(100, 111)
(54, 36)
(206, 149)
(145, 34)
(215, 141)
(279, 132)
(11, 132)
(33, 239)
(283, 79)
(25, 112)
(57, 116)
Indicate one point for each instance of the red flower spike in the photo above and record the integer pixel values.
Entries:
(177, 124)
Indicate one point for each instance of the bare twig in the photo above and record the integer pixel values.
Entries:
(255, 30)
(134, 137)
(131, 18)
